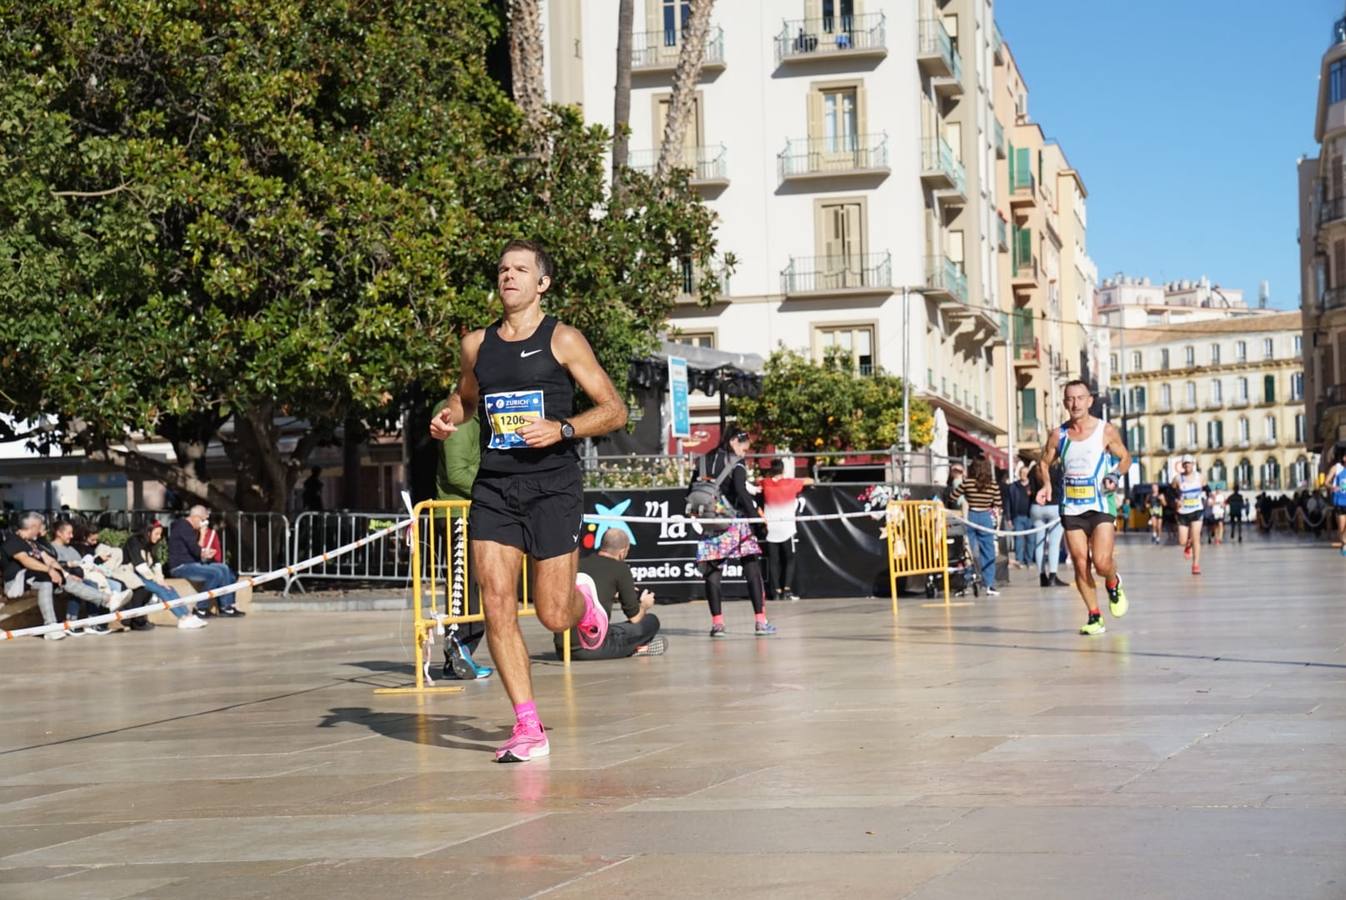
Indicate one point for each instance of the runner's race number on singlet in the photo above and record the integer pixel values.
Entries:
(509, 411)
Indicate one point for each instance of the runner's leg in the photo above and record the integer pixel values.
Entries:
(1196, 546)
(1077, 542)
(497, 567)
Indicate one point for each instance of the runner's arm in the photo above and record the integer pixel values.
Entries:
(1045, 473)
(462, 403)
(609, 410)
(1113, 443)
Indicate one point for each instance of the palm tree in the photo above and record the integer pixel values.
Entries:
(685, 76)
(621, 107)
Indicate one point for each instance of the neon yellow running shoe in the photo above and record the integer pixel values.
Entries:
(1117, 603)
(1093, 626)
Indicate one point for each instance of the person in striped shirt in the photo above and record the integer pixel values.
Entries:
(983, 500)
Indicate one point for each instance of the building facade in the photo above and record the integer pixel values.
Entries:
(1048, 275)
(1322, 254)
(1228, 391)
(855, 154)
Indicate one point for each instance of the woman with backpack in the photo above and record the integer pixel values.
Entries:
(725, 467)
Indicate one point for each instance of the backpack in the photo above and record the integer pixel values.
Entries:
(705, 491)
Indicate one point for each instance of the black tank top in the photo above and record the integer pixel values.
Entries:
(519, 381)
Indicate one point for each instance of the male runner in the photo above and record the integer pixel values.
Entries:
(519, 376)
(1085, 446)
(1336, 480)
(1191, 510)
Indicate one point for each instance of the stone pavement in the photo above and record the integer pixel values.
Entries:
(1195, 750)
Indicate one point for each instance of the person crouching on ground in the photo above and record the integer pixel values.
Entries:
(639, 634)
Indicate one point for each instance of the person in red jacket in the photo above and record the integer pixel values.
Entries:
(780, 497)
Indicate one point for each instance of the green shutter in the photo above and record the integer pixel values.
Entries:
(1029, 400)
(1269, 385)
(1011, 166)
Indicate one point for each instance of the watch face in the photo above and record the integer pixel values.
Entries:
(567, 430)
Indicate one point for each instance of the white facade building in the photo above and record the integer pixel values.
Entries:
(848, 150)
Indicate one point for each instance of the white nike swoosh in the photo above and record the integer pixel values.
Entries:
(526, 353)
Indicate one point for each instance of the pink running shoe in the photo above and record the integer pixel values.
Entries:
(527, 742)
(593, 627)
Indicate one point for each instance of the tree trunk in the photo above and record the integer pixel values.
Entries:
(526, 58)
(685, 76)
(621, 106)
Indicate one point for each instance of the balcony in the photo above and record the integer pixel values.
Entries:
(1212, 404)
(1334, 395)
(691, 276)
(941, 170)
(999, 135)
(936, 56)
(1334, 298)
(1217, 444)
(1191, 446)
(837, 157)
(1268, 442)
(1238, 403)
(1188, 405)
(831, 37)
(1024, 271)
(1332, 210)
(997, 44)
(945, 280)
(657, 51)
(709, 165)
(1023, 190)
(1243, 443)
(1002, 235)
(849, 275)
(1027, 351)
(1163, 408)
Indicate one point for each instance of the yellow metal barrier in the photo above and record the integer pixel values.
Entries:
(917, 534)
(436, 523)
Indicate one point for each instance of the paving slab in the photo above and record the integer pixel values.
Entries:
(986, 750)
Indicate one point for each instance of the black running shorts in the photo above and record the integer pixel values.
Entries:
(1087, 521)
(1190, 518)
(540, 514)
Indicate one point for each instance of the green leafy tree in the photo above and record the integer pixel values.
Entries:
(222, 220)
(821, 406)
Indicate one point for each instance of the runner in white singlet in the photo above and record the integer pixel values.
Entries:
(1191, 509)
(1087, 448)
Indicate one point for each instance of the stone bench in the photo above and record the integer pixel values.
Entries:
(242, 599)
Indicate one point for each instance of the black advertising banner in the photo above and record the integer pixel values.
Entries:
(834, 558)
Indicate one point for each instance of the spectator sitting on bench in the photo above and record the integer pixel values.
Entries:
(139, 555)
(187, 560)
(29, 567)
(79, 579)
(612, 579)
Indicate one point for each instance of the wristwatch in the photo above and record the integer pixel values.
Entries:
(567, 431)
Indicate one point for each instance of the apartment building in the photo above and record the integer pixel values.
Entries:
(849, 150)
(1049, 276)
(1129, 301)
(1322, 254)
(1229, 391)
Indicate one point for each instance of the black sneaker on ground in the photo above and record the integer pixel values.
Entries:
(1057, 582)
(1044, 580)
(232, 612)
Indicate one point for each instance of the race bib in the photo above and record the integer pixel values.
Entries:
(1080, 490)
(509, 411)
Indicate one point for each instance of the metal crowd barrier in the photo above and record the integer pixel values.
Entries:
(917, 534)
(314, 533)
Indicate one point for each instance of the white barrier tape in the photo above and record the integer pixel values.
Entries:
(120, 616)
(875, 514)
(1000, 533)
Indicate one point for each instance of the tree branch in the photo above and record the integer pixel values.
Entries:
(119, 188)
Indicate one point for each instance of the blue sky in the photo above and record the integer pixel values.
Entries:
(1185, 119)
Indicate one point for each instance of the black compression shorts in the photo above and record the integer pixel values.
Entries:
(1088, 521)
(540, 514)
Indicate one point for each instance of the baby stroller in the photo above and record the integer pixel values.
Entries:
(963, 570)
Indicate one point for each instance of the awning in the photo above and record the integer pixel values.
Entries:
(998, 457)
